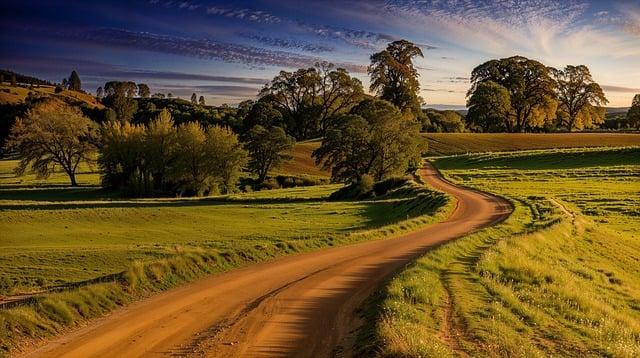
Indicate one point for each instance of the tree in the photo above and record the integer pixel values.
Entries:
(489, 107)
(443, 121)
(633, 115)
(1, 78)
(261, 113)
(194, 98)
(310, 98)
(122, 155)
(169, 95)
(160, 147)
(374, 139)
(99, 93)
(74, 81)
(227, 157)
(201, 101)
(268, 149)
(580, 98)
(394, 77)
(530, 86)
(14, 82)
(120, 98)
(190, 171)
(65, 83)
(50, 136)
(143, 90)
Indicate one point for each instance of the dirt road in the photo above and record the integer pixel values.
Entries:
(298, 306)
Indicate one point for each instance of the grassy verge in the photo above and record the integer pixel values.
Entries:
(80, 251)
(560, 277)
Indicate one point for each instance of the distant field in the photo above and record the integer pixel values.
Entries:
(461, 143)
(561, 277)
(10, 94)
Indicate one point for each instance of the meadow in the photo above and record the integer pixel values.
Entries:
(70, 254)
(443, 144)
(560, 277)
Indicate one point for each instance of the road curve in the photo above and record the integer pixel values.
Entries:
(302, 305)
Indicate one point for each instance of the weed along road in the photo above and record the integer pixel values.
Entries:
(301, 306)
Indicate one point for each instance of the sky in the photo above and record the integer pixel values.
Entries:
(227, 50)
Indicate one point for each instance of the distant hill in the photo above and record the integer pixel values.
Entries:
(617, 110)
(20, 78)
(10, 95)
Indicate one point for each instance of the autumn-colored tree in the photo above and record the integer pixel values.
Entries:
(160, 145)
(580, 99)
(226, 156)
(52, 135)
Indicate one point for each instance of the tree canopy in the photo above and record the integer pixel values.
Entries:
(394, 77)
(580, 98)
(53, 135)
(489, 107)
(268, 148)
(375, 139)
(309, 98)
(530, 86)
(74, 81)
(633, 115)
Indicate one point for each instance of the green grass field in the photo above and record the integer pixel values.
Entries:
(89, 250)
(560, 277)
(462, 143)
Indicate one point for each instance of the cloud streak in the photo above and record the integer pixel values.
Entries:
(289, 44)
(201, 48)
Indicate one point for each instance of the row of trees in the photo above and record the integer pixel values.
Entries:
(160, 157)
(517, 94)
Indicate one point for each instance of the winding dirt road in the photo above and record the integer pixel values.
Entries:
(298, 306)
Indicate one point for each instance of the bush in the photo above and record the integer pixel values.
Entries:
(383, 187)
(58, 89)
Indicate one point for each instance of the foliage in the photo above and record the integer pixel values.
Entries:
(267, 148)
(580, 99)
(194, 98)
(310, 98)
(160, 158)
(394, 77)
(119, 96)
(375, 139)
(201, 101)
(633, 115)
(74, 83)
(261, 113)
(530, 86)
(52, 135)
(442, 121)
(489, 107)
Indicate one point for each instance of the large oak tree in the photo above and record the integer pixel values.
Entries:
(580, 98)
(53, 135)
(531, 90)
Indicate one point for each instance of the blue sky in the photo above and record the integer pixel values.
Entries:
(226, 50)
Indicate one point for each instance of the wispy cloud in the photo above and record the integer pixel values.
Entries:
(202, 48)
(241, 13)
(180, 76)
(285, 43)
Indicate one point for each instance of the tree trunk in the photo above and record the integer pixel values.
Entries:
(72, 177)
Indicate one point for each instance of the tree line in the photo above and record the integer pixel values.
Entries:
(147, 145)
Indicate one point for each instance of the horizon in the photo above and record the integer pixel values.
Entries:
(226, 50)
